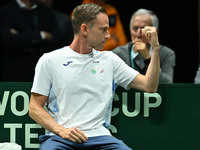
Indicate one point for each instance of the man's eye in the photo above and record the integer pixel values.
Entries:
(135, 28)
(105, 29)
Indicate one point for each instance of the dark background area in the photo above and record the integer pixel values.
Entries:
(178, 28)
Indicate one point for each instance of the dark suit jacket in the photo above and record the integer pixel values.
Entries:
(167, 61)
(22, 50)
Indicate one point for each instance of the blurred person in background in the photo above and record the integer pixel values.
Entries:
(27, 30)
(137, 53)
(64, 23)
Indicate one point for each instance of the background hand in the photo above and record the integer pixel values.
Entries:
(47, 35)
(13, 31)
(141, 48)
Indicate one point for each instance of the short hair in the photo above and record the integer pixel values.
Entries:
(85, 13)
(154, 18)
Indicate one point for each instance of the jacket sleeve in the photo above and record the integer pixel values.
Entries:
(167, 65)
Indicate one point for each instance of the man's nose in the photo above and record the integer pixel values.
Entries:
(107, 35)
(139, 32)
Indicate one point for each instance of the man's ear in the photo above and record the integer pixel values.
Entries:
(84, 28)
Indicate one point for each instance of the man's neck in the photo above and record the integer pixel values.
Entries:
(79, 45)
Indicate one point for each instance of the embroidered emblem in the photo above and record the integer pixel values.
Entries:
(93, 71)
(69, 62)
(102, 71)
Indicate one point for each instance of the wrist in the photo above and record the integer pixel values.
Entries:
(59, 130)
(156, 46)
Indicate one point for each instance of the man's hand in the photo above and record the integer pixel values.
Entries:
(47, 35)
(13, 31)
(73, 134)
(141, 48)
(151, 35)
